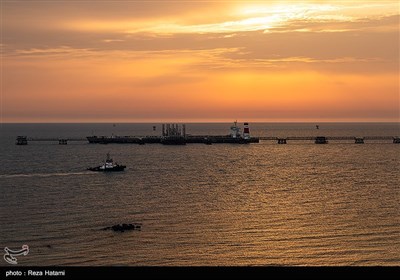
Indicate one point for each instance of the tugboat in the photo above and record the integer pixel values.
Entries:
(108, 166)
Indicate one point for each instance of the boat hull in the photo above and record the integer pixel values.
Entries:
(114, 169)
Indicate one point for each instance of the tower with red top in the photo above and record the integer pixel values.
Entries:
(246, 131)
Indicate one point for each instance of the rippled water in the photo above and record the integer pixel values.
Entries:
(224, 204)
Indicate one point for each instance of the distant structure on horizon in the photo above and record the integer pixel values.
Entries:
(173, 134)
(235, 131)
(173, 130)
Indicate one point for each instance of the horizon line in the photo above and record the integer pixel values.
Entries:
(195, 122)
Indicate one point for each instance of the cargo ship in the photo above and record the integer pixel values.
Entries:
(174, 134)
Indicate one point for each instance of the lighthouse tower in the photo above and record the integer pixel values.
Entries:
(246, 131)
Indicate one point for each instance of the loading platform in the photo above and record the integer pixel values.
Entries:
(205, 139)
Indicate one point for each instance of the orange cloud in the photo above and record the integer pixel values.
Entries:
(135, 61)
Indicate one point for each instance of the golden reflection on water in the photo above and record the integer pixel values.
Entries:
(262, 204)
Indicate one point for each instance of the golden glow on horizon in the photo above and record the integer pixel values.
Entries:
(247, 18)
(214, 61)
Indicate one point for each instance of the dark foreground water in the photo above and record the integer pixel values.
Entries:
(224, 204)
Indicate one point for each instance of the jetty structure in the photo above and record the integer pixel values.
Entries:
(175, 134)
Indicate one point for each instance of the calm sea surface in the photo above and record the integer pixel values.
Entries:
(221, 204)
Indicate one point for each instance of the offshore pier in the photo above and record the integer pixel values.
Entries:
(175, 134)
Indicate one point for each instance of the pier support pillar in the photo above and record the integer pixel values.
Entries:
(282, 141)
(62, 141)
(21, 140)
(396, 140)
(359, 140)
(321, 140)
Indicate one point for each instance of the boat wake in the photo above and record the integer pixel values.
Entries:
(5, 176)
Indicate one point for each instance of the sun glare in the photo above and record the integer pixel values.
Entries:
(285, 9)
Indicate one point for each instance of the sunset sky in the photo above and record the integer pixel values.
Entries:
(199, 61)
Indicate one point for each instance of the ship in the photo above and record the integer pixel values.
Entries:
(108, 166)
(175, 134)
